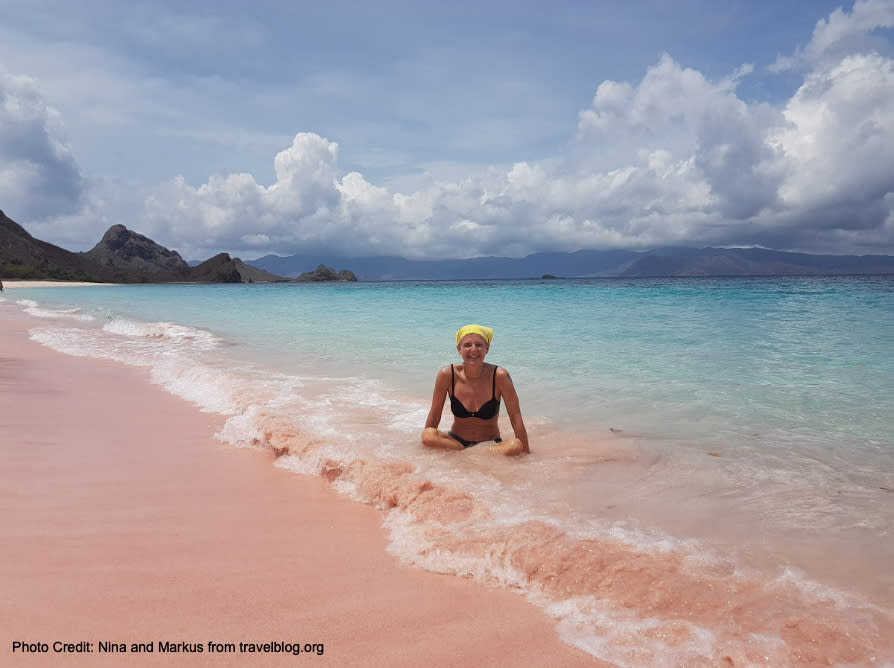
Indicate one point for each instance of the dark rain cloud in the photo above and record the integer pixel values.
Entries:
(41, 179)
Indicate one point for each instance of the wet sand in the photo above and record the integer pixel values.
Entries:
(123, 521)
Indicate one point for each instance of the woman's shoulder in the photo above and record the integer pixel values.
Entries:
(502, 374)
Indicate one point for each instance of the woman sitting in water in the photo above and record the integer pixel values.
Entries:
(475, 390)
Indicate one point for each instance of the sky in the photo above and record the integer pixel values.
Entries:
(455, 129)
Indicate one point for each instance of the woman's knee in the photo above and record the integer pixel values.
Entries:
(430, 436)
(511, 447)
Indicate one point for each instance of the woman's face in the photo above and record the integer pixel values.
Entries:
(472, 347)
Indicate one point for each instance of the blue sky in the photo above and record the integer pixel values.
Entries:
(458, 129)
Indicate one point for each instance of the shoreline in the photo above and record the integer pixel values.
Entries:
(13, 283)
(126, 522)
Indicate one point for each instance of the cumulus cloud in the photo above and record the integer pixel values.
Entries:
(839, 140)
(311, 205)
(815, 174)
(724, 165)
(844, 33)
(675, 158)
(39, 177)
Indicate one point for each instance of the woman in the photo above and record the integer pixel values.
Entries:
(475, 389)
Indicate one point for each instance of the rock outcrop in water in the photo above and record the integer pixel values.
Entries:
(218, 269)
(324, 273)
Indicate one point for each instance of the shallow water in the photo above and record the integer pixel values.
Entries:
(712, 476)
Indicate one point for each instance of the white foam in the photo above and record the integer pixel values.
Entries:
(34, 309)
(411, 544)
(77, 342)
(620, 637)
(166, 331)
(241, 432)
(408, 419)
(214, 390)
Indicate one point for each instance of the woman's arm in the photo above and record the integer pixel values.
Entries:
(431, 437)
(507, 392)
(442, 380)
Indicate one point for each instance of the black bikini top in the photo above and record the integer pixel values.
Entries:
(488, 410)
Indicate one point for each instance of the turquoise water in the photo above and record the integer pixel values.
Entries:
(807, 354)
(746, 422)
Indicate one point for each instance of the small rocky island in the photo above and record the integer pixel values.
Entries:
(324, 273)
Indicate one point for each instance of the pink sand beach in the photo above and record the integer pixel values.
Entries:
(124, 521)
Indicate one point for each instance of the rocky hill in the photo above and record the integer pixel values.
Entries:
(126, 254)
(223, 269)
(23, 256)
(324, 273)
(121, 256)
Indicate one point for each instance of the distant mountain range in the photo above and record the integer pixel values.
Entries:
(124, 256)
(591, 263)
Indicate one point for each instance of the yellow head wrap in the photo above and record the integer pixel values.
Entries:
(485, 332)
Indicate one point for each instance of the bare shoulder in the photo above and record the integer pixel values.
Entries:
(443, 374)
(503, 377)
(505, 388)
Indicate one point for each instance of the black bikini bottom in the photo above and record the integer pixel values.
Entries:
(469, 444)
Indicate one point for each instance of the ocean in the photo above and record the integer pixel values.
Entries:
(712, 472)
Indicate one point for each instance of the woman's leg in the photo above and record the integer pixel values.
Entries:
(433, 438)
(510, 447)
